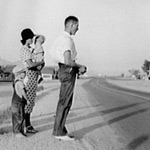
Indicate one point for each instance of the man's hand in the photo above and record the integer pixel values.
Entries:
(82, 69)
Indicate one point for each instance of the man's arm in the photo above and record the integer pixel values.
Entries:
(68, 61)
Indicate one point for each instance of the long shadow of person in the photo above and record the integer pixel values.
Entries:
(81, 132)
(45, 122)
(138, 142)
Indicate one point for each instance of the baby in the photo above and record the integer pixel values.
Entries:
(39, 52)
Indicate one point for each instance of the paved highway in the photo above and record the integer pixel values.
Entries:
(127, 112)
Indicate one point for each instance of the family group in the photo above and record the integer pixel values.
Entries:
(28, 76)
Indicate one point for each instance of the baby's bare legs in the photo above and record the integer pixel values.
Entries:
(40, 78)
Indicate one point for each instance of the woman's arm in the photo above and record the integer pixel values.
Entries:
(32, 64)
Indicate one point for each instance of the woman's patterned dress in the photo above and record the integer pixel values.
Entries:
(31, 85)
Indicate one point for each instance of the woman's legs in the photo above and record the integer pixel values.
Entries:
(27, 120)
(29, 127)
(31, 88)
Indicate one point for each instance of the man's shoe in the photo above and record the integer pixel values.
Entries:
(65, 138)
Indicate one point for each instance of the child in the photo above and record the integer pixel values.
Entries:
(39, 52)
(19, 100)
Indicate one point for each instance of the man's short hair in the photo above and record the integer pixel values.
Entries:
(71, 19)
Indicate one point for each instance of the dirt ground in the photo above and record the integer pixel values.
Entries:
(139, 85)
(80, 123)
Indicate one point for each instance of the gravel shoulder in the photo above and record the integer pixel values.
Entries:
(138, 85)
(83, 122)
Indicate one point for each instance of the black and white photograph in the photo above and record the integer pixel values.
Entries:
(74, 75)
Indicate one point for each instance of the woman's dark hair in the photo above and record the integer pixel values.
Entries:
(26, 34)
(23, 41)
(71, 18)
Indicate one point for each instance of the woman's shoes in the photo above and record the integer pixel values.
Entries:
(30, 129)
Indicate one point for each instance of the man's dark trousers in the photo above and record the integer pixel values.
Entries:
(67, 77)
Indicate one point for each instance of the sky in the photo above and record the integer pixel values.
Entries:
(113, 36)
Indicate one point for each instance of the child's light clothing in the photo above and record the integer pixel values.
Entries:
(19, 87)
(39, 53)
(25, 80)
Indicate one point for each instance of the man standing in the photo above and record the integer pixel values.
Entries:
(64, 50)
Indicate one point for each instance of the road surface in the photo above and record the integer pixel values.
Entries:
(124, 110)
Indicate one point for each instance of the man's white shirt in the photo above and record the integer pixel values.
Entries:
(63, 43)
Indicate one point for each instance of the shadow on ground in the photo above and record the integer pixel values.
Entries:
(136, 143)
(45, 122)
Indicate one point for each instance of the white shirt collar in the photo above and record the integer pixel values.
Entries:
(66, 33)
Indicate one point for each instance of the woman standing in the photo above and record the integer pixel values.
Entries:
(32, 75)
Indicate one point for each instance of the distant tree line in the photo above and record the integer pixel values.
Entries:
(1, 69)
(135, 73)
(145, 67)
(6, 73)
